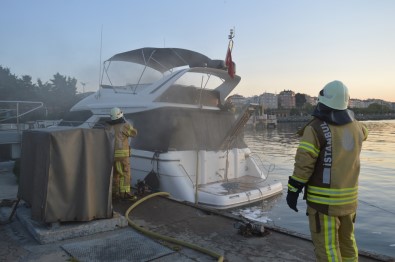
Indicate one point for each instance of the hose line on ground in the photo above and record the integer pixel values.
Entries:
(166, 238)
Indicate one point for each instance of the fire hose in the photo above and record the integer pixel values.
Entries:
(166, 238)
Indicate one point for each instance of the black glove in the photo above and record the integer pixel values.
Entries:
(294, 189)
(292, 200)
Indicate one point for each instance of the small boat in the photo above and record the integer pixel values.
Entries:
(260, 121)
(189, 143)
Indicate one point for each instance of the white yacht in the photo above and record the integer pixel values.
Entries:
(189, 143)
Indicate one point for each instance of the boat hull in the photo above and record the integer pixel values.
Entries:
(221, 180)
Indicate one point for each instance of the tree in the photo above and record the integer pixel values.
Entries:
(27, 91)
(308, 109)
(8, 82)
(300, 100)
(58, 95)
(294, 112)
(377, 108)
(62, 94)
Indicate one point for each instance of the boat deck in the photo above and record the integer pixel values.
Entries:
(234, 186)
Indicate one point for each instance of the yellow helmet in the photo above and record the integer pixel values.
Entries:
(334, 95)
(116, 113)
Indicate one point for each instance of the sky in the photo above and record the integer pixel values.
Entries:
(297, 45)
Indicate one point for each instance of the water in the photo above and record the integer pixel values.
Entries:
(375, 224)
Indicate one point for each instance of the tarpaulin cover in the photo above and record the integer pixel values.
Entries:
(66, 174)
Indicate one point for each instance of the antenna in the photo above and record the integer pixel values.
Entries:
(230, 37)
(101, 47)
(83, 87)
(232, 33)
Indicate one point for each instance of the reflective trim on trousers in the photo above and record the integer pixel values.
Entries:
(122, 153)
(333, 237)
(330, 238)
(122, 187)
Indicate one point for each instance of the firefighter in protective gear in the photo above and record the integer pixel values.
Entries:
(327, 164)
(121, 170)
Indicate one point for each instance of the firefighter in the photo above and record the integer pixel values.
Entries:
(121, 170)
(327, 164)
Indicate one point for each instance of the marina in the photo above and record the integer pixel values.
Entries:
(275, 149)
(222, 172)
(211, 230)
(139, 131)
(373, 233)
(188, 144)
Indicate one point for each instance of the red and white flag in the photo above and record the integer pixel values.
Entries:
(229, 63)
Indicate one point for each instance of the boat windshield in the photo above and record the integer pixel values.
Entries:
(75, 118)
(193, 88)
(128, 75)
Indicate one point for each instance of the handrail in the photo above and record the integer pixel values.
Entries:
(238, 126)
(183, 168)
(40, 105)
(255, 158)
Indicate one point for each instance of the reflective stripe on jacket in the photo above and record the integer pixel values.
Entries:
(327, 161)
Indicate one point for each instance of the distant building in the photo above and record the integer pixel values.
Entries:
(254, 99)
(357, 103)
(286, 99)
(238, 100)
(269, 100)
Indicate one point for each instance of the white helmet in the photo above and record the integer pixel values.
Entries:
(116, 113)
(335, 95)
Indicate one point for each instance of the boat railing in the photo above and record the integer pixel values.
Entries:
(70, 123)
(183, 169)
(126, 89)
(256, 159)
(15, 110)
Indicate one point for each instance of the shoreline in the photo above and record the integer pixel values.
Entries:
(291, 119)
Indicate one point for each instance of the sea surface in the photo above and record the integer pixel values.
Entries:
(375, 223)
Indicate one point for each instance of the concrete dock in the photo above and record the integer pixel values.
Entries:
(211, 230)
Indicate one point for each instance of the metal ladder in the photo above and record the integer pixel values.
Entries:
(238, 126)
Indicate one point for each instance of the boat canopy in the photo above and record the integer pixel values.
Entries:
(165, 59)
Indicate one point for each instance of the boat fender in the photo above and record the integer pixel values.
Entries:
(151, 181)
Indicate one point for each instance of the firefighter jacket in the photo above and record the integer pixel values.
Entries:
(327, 163)
(122, 132)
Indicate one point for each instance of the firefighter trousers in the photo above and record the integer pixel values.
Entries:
(333, 237)
(121, 176)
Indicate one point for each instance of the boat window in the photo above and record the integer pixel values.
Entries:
(200, 80)
(102, 123)
(190, 95)
(193, 88)
(75, 118)
(135, 88)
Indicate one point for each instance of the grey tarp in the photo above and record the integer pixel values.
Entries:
(66, 174)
